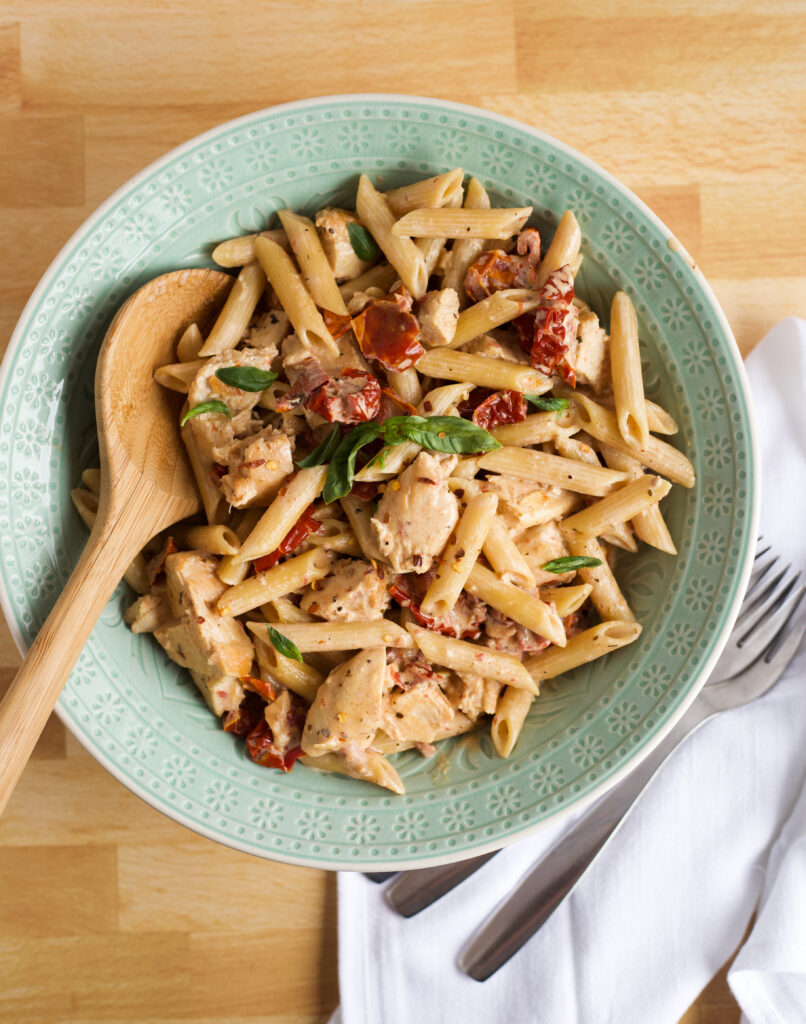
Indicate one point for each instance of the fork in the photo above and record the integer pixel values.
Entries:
(768, 589)
(765, 638)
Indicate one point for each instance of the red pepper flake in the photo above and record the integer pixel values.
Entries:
(260, 686)
(304, 526)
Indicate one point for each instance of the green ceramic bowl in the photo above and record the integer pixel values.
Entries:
(141, 716)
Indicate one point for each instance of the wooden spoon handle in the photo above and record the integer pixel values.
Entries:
(36, 687)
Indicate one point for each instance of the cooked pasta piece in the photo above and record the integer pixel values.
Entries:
(281, 515)
(515, 603)
(649, 525)
(450, 222)
(283, 579)
(552, 470)
(446, 364)
(584, 647)
(465, 250)
(619, 507)
(237, 252)
(313, 264)
(606, 595)
(510, 714)
(462, 656)
(429, 192)
(496, 310)
(564, 248)
(237, 311)
(402, 253)
(625, 362)
(342, 636)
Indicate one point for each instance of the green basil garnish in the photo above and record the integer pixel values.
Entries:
(439, 434)
(323, 452)
(570, 563)
(214, 405)
(246, 378)
(364, 245)
(283, 645)
(548, 403)
(340, 472)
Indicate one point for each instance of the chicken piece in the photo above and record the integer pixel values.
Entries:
(214, 647)
(464, 619)
(421, 714)
(438, 314)
(347, 707)
(331, 223)
(284, 721)
(268, 331)
(359, 301)
(149, 612)
(520, 502)
(541, 544)
(214, 430)
(592, 359)
(354, 592)
(474, 695)
(416, 515)
(332, 364)
(497, 346)
(406, 668)
(257, 466)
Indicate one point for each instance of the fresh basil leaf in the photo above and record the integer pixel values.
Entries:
(570, 563)
(323, 452)
(283, 645)
(548, 403)
(439, 434)
(214, 405)
(364, 245)
(340, 472)
(246, 378)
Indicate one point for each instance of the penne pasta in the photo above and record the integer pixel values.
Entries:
(462, 656)
(618, 507)
(462, 222)
(216, 540)
(657, 455)
(566, 600)
(459, 557)
(237, 311)
(402, 253)
(359, 514)
(283, 579)
(625, 362)
(342, 636)
(584, 647)
(505, 557)
(519, 606)
(406, 383)
(536, 429)
(552, 470)
(294, 297)
(465, 250)
(430, 192)
(564, 248)
(91, 478)
(314, 266)
(510, 714)
(281, 515)
(482, 371)
(237, 252)
(373, 767)
(297, 676)
(659, 420)
(494, 311)
(381, 276)
(212, 498)
(189, 345)
(606, 595)
(178, 376)
(228, 571)
(649, 525)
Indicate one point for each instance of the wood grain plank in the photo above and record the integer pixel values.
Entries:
(10, 77)
(69, 891)
(48, 165)
(663, 52)
(159, 887)
(755, 306)
(277, 37)
(94, 977)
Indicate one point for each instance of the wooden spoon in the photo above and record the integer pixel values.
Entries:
(146, 485)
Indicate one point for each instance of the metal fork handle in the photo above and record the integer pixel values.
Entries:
(555, 876)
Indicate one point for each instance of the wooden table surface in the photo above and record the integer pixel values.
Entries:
(108, 911)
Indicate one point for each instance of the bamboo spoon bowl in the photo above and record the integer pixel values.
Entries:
(146, 485)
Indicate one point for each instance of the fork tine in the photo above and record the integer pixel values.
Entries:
(793, 620)
(766, 627)
(751, 610)
(760, 570)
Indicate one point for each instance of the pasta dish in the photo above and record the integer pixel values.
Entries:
(417, 451)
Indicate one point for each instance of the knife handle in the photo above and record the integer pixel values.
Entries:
(555, 876)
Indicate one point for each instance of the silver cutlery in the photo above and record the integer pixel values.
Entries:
(766, 637)
(415, 890)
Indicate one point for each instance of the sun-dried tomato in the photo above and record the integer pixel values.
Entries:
(262, 749)
(305, 525)
(260, 686)
(290, 758)
(399, 593)
(244, 719)
(336, 323)
(495, 270)
(354, 398)
(546, 335)
(501, 407)
(468, 406)
(389, 334)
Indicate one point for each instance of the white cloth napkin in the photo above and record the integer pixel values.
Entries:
(669, 900)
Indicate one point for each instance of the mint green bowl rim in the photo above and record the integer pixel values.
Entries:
(742, 572)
